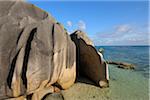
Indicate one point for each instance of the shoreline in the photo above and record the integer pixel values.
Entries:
(124, 85)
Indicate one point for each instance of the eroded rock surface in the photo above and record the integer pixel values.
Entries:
(35, 52)
(89, 62)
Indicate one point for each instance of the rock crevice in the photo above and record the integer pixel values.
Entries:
(11, 71)
(26, 56)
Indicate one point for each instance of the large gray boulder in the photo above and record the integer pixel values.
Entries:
(35, 52)
(89, 61)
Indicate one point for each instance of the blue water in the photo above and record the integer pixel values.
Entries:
(137, 55)
(123, 84)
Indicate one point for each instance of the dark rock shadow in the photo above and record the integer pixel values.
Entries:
(82, 72)
(85, 80)
(26, 56)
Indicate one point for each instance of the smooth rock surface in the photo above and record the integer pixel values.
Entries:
(89, 62)
(35, 51)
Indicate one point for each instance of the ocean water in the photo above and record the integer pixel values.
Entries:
(128, 84)
(123, 84)
(137, 55)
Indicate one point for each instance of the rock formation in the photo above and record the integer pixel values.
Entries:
(123, 65)
(38, 57)
(89, 62)
(36, 53)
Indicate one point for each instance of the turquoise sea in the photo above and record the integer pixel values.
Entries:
(127, 84)
(137, 55)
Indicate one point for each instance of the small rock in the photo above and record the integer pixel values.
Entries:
(54, 96)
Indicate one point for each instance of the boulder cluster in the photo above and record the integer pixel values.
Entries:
(37, 56)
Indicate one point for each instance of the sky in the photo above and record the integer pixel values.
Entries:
(105, 22)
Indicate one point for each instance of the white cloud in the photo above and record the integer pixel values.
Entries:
(122, 35)
(123, 28)
(71, 27)
(69, 23)
(81, 25)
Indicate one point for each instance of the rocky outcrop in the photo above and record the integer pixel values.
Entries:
(122, 65)
(89, 62)
(36, 52)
